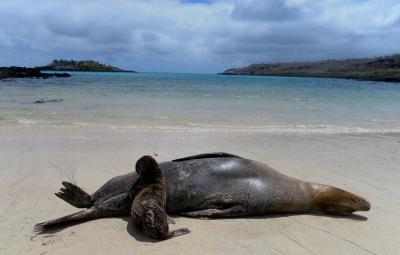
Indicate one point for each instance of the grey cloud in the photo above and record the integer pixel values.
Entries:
(273, 10)
(149, 36)
(169, 35)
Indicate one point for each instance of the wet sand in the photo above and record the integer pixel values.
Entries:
(34, 161)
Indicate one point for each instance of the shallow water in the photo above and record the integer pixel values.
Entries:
(202, 103)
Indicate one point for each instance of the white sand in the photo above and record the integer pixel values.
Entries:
(34, 162)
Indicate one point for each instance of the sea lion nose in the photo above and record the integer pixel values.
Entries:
(363, 205)
(366, 205)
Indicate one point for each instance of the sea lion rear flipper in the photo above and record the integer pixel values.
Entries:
(207, 155)
(233, 211)
(82, 215)
(112, 207)
(74, 195)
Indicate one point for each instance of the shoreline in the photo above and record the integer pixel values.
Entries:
(289, 130)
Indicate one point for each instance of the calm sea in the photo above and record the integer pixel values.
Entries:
(125, 102)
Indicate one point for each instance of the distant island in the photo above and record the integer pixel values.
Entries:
(83, 66)
(57, 65)
(385, 68)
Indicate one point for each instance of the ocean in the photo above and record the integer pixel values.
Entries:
(134, 102)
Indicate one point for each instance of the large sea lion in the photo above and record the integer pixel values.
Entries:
(213, 185)
(148, 207)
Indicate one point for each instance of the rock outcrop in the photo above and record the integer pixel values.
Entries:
(26, 72)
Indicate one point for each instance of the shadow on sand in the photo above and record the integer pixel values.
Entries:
(131, 229)
(135, 233)
(354, 216)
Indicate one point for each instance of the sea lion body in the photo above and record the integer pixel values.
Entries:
(225, 185)
(221, 183)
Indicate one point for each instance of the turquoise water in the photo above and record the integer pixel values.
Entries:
(202, 103)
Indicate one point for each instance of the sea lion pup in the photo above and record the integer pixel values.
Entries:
(148, 207)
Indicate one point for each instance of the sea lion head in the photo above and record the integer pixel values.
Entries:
(147, 168)
(156, 223)
(333, 200)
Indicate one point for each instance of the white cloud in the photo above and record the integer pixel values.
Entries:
(163, 35)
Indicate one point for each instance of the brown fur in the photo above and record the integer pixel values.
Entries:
(333, 200)
(148, 208)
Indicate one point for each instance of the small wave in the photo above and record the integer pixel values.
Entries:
(27, 122)
(287, 129)
(302, 129)
(383, 121)
(161, 117)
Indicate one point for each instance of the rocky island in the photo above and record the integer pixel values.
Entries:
(385, 68)
(57, 65)
(26, 72)
(83, 66)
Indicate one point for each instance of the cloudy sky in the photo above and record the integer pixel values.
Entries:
(195, 36)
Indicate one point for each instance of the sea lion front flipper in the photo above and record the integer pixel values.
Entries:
(207, 155)
(170, 220)
(233, 211)
(74, 195)
(178, 232)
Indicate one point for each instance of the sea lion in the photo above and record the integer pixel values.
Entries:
(214, 185)
(148, 207)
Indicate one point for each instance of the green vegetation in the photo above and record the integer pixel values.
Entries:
(385, 68)
(85, 65)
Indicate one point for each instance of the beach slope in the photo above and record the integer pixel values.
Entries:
(35, 161)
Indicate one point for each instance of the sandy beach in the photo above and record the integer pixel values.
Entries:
(34, 161)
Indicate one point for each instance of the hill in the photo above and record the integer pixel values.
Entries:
(385, 68)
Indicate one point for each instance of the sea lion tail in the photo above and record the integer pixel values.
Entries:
(74, 195)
